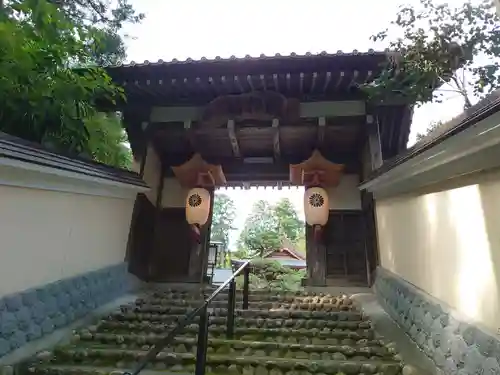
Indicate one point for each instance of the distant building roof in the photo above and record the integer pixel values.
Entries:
(295, 263)
(293, 253)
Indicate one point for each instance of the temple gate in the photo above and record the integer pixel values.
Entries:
(273, 121)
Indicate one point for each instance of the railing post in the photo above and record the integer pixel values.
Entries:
(201, 348)
(246, 286)
(231, 306)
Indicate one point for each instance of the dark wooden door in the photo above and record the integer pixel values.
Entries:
(345, 246)
(172, 246)
(140, 242)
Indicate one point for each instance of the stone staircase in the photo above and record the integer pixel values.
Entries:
(280, 334)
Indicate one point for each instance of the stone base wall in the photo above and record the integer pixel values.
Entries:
(455, 345)
(33, 313)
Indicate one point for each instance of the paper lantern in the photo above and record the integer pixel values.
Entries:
(316, 207)
(197, 206)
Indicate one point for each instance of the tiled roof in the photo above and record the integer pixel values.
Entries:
(22, 150)
(292, 55)
(483, 109)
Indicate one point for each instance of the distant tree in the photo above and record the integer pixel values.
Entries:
(222, 220)
(267, 226)
(433, 126)
(288, 222)
(260, 232)
(456, 48)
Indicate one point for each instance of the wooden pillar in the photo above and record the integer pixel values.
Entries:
(157, 222)
(375, 161)
(315, 259)
(199, 251)
(374, 142)
(206, 234)
(144, 148)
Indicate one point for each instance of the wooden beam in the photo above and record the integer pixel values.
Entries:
(310, 109)
(238, 170)
(276, 138)
(232, 137)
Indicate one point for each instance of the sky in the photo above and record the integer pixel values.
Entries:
(197, 28)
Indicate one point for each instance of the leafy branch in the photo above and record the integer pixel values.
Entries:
(436, 46)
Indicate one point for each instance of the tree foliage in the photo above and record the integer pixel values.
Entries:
(288, 222)
(107, 140)
(49, 85)
(432, 127)
(271, 275)
(106, 18)
(268, 226)
(224, 212)
(437, 45)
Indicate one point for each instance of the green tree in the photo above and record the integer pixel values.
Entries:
(260, 232)
(108, 140)
(42, 98)
(268, 226)
(224, 213)
(48, 86)
(433, 126)
(435, 45)
(106, 18)
(289, 224)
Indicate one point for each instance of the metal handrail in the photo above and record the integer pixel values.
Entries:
(203, 324)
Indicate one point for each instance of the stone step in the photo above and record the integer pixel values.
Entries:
(216, 363)
(245, 321)
(240, 332)
(160, 298)
(145, 311)
(297, 305)
(362, 349)
(279, 335)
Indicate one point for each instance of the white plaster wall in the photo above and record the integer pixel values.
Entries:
(446, 241)
(48, 235)
(346, 195)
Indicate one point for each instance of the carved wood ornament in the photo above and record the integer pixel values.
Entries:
(196, 172)
(316, 171)
(256, 105)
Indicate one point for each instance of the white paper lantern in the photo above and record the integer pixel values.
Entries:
(197, 206)
(316, 207)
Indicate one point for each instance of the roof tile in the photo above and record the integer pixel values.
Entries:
(247, 57)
